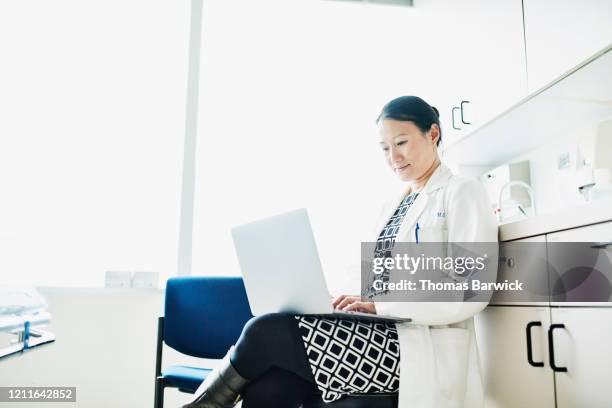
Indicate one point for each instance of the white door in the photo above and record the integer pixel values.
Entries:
(582, 346)
(516, 370)
(562, 33)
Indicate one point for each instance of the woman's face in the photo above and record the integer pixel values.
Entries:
(409, 152)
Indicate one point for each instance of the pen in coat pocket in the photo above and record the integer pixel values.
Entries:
(416, 233)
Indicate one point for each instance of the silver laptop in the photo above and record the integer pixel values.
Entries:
(282, 271)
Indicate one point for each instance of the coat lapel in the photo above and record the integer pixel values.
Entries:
(437, 181)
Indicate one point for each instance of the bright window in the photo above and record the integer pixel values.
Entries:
(289, 93)
(92, 95)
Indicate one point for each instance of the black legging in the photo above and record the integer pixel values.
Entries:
(278, 388)
(271, 354)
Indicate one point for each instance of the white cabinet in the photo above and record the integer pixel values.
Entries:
(534, 355)
(491, 55)
(511, 380)
(582, 346)
(479, 51)
(512, 335)
(562, 33)
(581, 333)
(555, 354)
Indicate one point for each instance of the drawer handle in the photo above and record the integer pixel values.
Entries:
(509, 261)
(551, 348)
(529, 351)
(602, 245)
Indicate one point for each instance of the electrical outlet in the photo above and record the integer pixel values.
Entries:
(145, 280)
(118, 279)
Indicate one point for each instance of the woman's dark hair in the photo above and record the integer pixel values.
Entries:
(412, 109)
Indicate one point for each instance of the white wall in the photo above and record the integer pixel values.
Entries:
(105, 347)
(556, 189)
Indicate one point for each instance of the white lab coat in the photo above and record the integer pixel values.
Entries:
(439, 362)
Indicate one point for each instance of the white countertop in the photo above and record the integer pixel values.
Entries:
(589, 213)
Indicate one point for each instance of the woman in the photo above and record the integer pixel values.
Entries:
(282, 360)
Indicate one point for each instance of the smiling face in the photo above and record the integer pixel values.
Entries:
(409, 152)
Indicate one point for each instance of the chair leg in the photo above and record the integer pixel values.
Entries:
(159, 392)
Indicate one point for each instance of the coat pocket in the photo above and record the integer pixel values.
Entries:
(428, 234)
(451, 351)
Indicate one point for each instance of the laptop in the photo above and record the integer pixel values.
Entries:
(282, 271)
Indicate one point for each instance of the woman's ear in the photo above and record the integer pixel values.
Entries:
(434, 133)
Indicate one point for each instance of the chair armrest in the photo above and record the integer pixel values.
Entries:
(160, 345)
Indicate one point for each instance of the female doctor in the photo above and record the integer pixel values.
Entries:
(282, 360)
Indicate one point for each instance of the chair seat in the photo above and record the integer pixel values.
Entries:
(382, 400)
(185, 378)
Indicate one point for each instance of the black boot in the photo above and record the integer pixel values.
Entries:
(221, 388)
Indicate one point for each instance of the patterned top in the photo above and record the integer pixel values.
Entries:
(386, 241)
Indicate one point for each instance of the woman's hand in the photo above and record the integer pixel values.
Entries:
(354, 303)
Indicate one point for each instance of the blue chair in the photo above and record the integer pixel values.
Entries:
(203, 317)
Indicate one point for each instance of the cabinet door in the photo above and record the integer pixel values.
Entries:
(510, 380)
(490, 42)
(482, 56)
(562, 33)
(583, 347)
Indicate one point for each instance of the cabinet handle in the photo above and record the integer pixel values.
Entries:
(551, 348)
(462, 120)
(529, 351)
(601, 245)
(453, 117)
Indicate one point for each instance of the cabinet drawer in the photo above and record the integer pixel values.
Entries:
(580, 266)
(523, 260)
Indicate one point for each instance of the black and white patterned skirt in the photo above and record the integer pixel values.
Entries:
(350, 356)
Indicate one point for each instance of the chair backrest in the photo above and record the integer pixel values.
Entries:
(204, 315)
